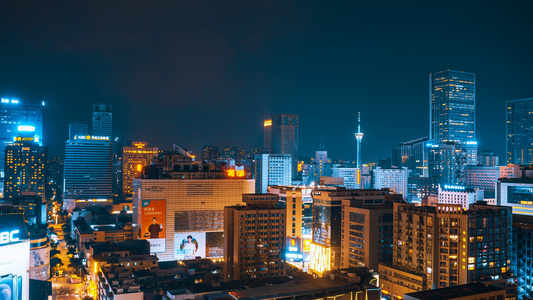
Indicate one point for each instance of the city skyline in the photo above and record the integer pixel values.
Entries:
(310, 64)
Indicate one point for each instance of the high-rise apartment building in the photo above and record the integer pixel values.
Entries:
(102, 119)
(134, 159)
(88, 170)
(522, 261)
(435, 247)
(367, 229)
(254, 238)
(394, 179)
(412, 155)
(25, 167)
(519, 134)
(452, 106)
(298, 204)
(272, 169)
(285, 136)
(14, 113)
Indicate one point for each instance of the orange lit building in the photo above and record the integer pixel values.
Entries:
(134, 159)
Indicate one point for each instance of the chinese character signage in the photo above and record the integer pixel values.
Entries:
(152, 224)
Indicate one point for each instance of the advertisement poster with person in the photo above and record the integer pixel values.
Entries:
(152, 224)
(188, 245)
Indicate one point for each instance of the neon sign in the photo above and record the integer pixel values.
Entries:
(23, 139)
(91, 137)
(235, 173)
(8, 237)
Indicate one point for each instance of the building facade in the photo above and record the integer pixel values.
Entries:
(102, 119)
(446, 246)
(254, 238)
(15, 113)
(517, 194)
(88, 170)
(412, 155)
(367, 230)
(483, 177)
(447, 161)
(519, 136)
(134, 159)
(459, 195)
(272, 169)
(452, 106)
(183, 208)
(25, 168)
(284, 140)
(394, 179)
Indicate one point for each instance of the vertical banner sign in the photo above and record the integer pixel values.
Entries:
(152, 227)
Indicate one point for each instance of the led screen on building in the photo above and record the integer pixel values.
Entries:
(520, 194)
(188, 245)
(14, 266)
(152, 224)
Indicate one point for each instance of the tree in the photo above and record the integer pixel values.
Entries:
(71, 251)
(76, 264)
(54, 252)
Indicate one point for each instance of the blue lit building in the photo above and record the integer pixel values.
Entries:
(447, 161)
(272, 169)
(519, 133)
(88, 169)
(102, 119)
(412, 155)
(14, 113)
(452, 106)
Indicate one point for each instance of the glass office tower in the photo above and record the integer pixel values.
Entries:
(88, 171)
(14, 113)
(519, 133)
(452, 106)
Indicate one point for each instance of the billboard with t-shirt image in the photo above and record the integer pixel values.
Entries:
(152, 224)
(188, 245)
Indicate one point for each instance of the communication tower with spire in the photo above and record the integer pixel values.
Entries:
(359, 136)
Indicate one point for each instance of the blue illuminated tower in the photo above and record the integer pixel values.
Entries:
(14, 113)
(359, 136)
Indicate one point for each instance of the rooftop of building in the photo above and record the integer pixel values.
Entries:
(295, 289)
(516, 180)
(453, 292)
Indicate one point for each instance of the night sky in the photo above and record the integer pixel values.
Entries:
(198, 73)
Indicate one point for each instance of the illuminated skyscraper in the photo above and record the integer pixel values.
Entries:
(25, 163)
(14, 113)
(285, 137)
(272, 169)
(519, 133)
(134, 159)
(102, 119)
(88, 170)
(452, 106)
(267, 142)
(359, 136)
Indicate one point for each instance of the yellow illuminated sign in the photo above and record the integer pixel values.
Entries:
(139, 168)
(235, 173)
(23, 139)
(139, 145)
(267, 123)
(300, 163)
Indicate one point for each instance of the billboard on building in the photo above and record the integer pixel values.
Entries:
(322, 225)
(188, 245)
(14, 266)
(40, 257)
(152, 224)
